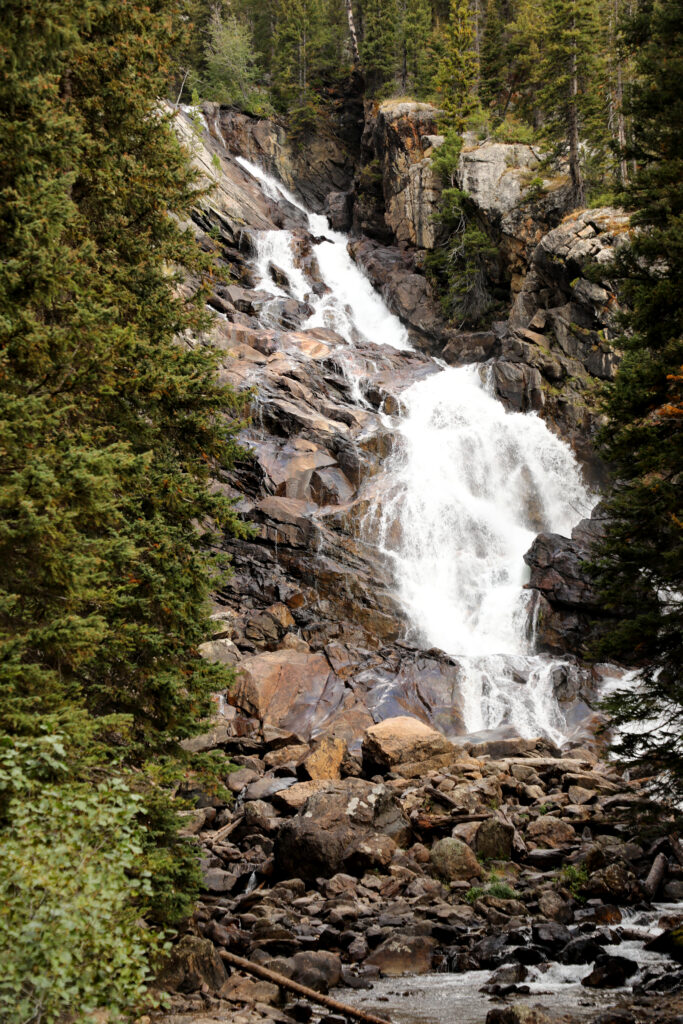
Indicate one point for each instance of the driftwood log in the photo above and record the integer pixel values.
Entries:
(299, 990)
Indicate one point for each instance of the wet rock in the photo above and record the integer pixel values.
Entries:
(407, 954)
(454, 861)
(338, 210)
(610, 972)
(550, 935)
(509, 974)
(581, 950)
(669, 942)
(396, 740)
(193, 963)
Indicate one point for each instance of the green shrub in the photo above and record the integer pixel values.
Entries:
(74, 890)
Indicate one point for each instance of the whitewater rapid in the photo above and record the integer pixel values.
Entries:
(460, 501)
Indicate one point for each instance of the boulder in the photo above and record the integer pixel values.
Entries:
(493, 840)
(614, 883)
(550, 833)
(193, 963)
(405, 954)
(325, 761)
(454, 861)
(331, 824)
(397, 740)
(610, 972)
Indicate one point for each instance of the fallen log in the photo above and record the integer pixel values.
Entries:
(655, 875)
(299, 990)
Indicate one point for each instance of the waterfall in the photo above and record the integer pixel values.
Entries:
(461, 499)
(351, 307)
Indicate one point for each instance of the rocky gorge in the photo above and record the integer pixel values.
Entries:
(411, 742)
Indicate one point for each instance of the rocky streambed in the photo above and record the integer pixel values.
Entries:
(418, 785)
(506, 867)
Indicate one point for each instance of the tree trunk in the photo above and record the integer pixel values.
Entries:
(578, 191)
(352, 33)
(300, 990)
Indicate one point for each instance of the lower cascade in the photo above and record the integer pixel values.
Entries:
(460, 499)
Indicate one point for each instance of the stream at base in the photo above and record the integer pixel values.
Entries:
(446, 998)
(458, 503)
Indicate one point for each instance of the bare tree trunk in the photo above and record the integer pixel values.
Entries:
(300, 990)
(617, 94)
(574, 142)
(352, 33)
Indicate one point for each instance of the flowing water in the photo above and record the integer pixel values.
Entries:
(461, 500)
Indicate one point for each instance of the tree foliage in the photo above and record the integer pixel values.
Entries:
(640, 566)
(113, 427)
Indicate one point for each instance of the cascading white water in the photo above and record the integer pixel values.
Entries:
(462, 499)
(352, 307)
(471, 486)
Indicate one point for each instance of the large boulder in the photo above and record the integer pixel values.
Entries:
(550, 833)
(405, 954)
(192, 964)
(397, 740)
(327, 833)
(454, 861)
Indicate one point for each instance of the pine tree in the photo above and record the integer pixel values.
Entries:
(570, 75)
(111, 429)
(640, 565)
(379, 48)
(455, 81)
(299, 43)
(231, 62)
(493, 63)
(416, 27)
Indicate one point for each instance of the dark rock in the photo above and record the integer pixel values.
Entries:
(338, 209)
(331, 824)
(550, 935)
(493, 840)
(610, 972)
(580, 951)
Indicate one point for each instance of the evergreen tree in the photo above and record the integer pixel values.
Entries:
(231, 62)
(379, 48)
(299, 46)
(492, 58)
(640, 565)
(416, 27)
(111, 428)
(570, 78)
(455, 81)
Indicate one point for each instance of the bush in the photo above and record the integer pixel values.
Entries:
(72, 895)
